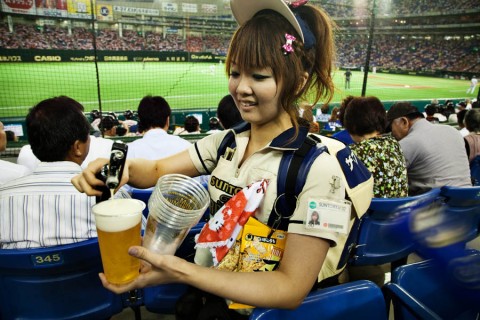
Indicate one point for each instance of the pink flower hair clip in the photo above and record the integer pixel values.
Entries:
(296, 4)
(288, 46)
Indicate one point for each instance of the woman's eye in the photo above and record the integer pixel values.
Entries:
(234, 74)
(260, 77)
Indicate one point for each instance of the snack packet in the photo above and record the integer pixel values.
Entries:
(257, 248)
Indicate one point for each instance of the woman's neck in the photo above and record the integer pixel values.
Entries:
(262, 134)
(358, 138)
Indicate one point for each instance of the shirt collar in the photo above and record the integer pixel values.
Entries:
(58, 166)
(283, 140)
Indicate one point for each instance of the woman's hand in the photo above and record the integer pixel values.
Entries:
(87, 182)
(156, 269)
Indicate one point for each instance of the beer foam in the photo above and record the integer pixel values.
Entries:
(118, 214)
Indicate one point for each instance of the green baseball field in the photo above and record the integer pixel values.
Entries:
(121, 85)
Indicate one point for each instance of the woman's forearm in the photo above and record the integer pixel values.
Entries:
(283, 288)
(145, 173)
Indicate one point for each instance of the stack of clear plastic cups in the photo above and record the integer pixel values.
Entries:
(175, 206)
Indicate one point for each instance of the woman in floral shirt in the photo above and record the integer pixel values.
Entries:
(365, 120)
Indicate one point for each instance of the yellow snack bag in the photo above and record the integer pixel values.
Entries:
(258, 248)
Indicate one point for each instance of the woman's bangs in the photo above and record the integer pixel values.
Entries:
(249, 51)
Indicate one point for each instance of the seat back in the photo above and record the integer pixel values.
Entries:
(461, 196)
(464, 203)
(380, 236)
(428, 290)
(475, 170)
(162, 298)
(59, 282)
(353, 300)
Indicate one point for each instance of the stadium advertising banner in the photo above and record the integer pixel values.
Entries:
(209, 8)
(19, 6)
(104, 12)
(189, 7)
(18, 55)
(136, 11)
(169, 7)
(52, 8)
(80, 9)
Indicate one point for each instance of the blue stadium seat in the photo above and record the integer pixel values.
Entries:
(353, 300)
(475, 170)
(464, 203)
(162, 298)
(59, 282)
(428, 290)
(380, 235)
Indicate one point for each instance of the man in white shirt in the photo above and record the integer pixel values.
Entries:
(9, 170)
(153, 121)
(44, 208)
(99, 148)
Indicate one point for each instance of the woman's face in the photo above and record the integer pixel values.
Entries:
(256, 94)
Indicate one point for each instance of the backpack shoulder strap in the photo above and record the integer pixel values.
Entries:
(292, 174)
(228, 141)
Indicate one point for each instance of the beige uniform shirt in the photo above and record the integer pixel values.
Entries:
(227, 178)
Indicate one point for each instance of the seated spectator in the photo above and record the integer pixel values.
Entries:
(430, 111)
(365, 120)
(343, 135)
(9, 170)
(154, 119)
(472, 140)
(306, 112)
(449, 111)
(121, 131)
(475, 103)
(461, 105)
(11, 136)
(108, 126)
(99, 148)
(333, 121)
(227, 112)
(44, 209)
(324, 113)
(190, 126)
(130, 123)
(437, 108)
(435, 154)
(96, 118)
(214, 125)
(461, 122)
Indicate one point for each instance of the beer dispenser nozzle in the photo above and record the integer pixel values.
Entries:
(111, 173)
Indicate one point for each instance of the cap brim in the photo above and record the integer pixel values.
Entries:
(244, 10)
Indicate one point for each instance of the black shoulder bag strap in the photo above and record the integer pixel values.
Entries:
(228, 141)
(288, 186)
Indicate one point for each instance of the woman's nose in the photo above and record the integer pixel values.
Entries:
(243, 86)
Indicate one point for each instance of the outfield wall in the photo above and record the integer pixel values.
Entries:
(36, 55)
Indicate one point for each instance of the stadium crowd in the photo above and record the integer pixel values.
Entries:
(388, 51)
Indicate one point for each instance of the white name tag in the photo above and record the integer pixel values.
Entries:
(328, 215)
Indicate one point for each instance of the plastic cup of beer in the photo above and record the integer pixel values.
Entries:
(118, 224)
(175, 206)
